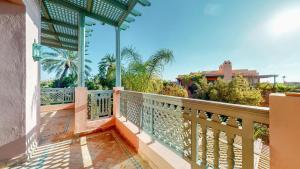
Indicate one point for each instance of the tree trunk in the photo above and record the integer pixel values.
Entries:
(62, 76)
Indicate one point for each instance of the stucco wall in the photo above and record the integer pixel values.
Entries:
(19, 84)
(12, 75)
(33, 23)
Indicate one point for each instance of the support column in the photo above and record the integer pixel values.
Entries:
(118, 58)
(81, 50)
(284, 134)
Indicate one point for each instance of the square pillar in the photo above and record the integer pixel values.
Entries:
(81, 109)
(116, 101)
(118, 59)
(81, 50)
(284, 131)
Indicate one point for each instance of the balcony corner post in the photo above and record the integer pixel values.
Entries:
(116, 101)
(284, 137)
(81, 109)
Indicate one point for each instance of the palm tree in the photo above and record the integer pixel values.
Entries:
(63, 62)
(137, 74)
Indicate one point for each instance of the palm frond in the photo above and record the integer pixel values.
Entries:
(156, 62)
(130, 54)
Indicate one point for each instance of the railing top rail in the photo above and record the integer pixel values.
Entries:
(46, 89)
(99, 91)
(258, 114)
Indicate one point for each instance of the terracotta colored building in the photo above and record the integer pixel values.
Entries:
(226, 72)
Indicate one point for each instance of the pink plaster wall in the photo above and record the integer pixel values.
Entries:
(82, 124)
(19, 74)
(33, 25)
(12, 75)
(80, 109)
(284, 131)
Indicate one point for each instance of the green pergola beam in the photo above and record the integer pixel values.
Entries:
(48, 32)
(89, 5)
(64, 24)
(129, 19)
(144, 2)
(58, 46)
(116, 4)
(83, 11)
(59, 42)
(135, 12)
(47, 16)
(129, 10)
(121, 6)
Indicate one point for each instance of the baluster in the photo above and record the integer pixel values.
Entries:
(204, 145)
(230, 152)
(215, 118)
(247, 144)
(109, 105)
(231, 121)
(152, 116)
(102, 105)
(203, 117)
(216, 148)
(125, 107)
(194, 139)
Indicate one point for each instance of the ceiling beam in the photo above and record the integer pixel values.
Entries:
(117, 4)
(89, 5)
(59, 42)
(144, 2)
(64, 24)
(79, 9)
(47, 16)
(63, 35)
(132, 4)
(121, 6)
(58, 46)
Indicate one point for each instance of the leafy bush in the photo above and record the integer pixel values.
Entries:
(173, 89)
(237, 91)
(199, 88)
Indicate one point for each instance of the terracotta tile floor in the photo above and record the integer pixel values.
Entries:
(59, 149)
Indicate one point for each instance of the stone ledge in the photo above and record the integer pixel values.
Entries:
(155, 153)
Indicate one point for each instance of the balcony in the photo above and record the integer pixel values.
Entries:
(76, 128)
(145, 131)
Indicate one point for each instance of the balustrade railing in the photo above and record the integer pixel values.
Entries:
(207, 134)
(51, 96)
(99, 103)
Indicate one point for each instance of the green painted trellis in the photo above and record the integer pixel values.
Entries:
(61, 25)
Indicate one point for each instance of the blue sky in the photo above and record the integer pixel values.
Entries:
(253, 34)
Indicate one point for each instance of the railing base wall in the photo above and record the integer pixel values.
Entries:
(57, 107)
(156, 154)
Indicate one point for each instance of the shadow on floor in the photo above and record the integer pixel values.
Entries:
(58, 148)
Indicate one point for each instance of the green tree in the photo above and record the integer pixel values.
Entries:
(237, 91)
(199, 88)
(172, 89)
(63, 63)
(106, 68)
(93, 83)
(67, 81)
(137, 74)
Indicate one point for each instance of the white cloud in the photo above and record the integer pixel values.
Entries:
(212, 9)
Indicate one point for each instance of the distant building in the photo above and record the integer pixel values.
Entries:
(227, 73)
